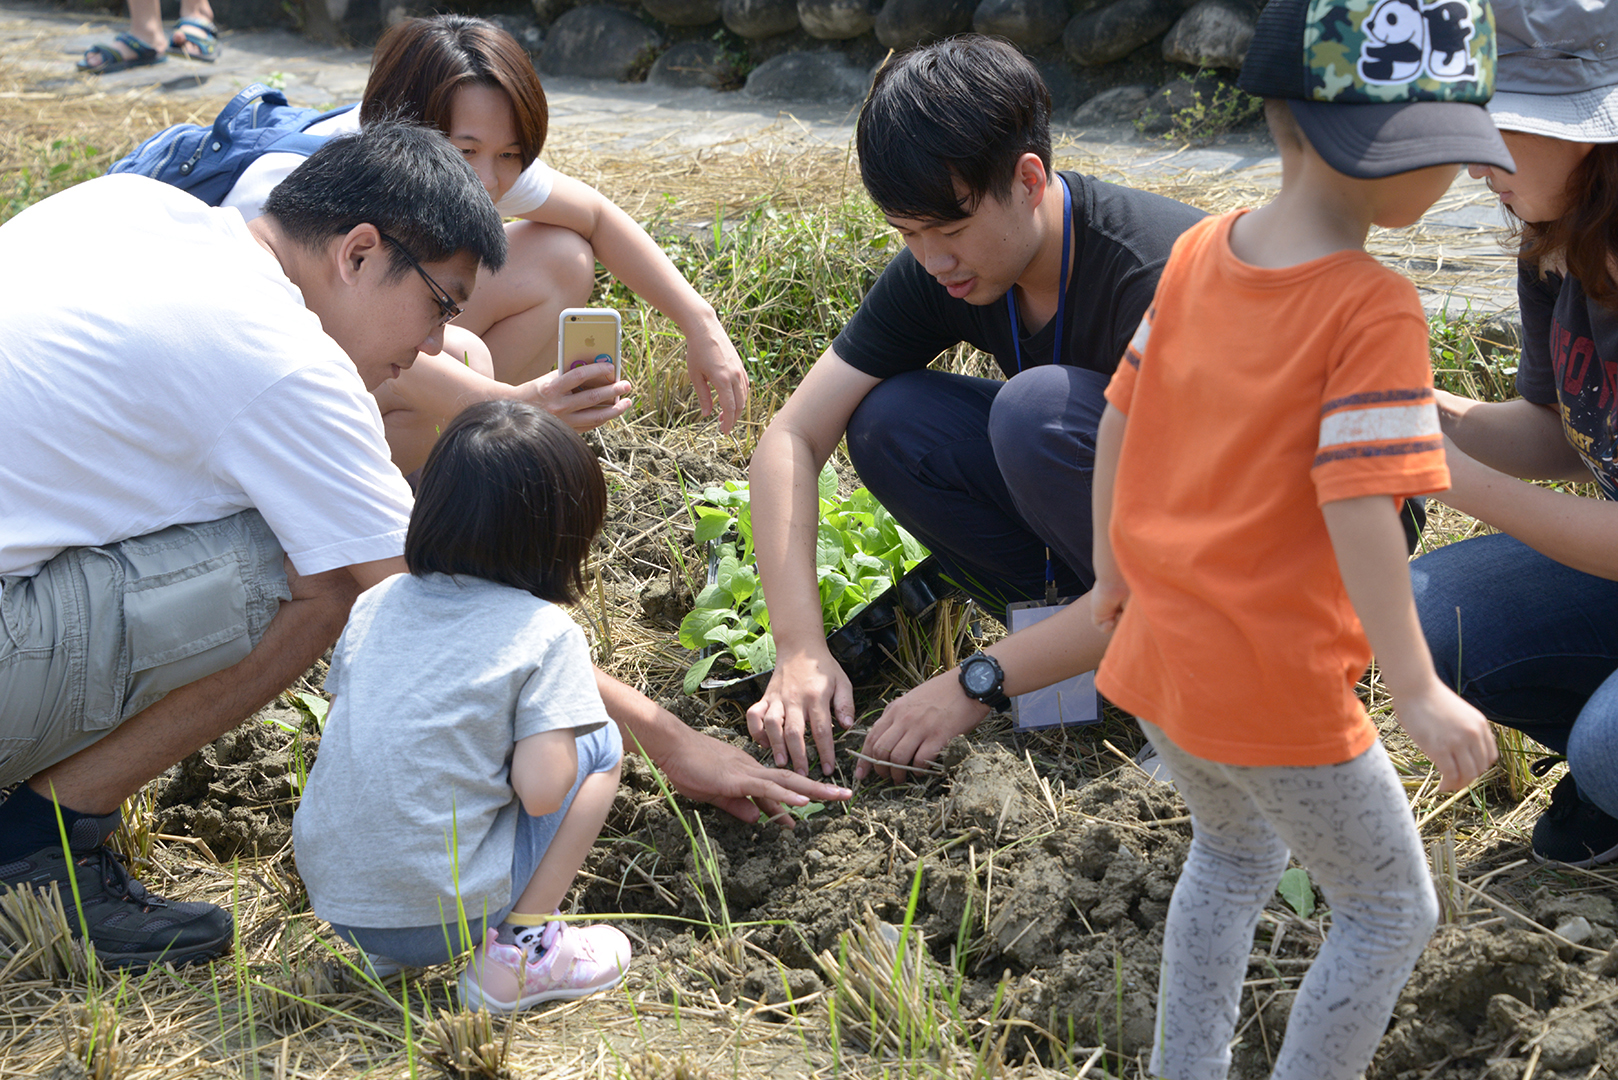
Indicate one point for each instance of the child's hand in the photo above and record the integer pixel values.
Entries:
(1107, 602)
(1454, 736)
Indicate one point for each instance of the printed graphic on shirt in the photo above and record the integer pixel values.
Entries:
(1586, 388)
(1369, 51)
(1385, 423)
(1143, 334)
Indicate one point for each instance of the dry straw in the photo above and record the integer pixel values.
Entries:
(284, 1008)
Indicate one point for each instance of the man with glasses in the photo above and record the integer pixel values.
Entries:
(195, 484)
(448, 309)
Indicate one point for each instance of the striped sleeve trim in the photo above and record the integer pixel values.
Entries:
(1343, 453)
(1379, 424)
(1143, 334)
(1386, 423)
(1378, 397)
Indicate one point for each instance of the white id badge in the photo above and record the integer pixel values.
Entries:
(1071, 701)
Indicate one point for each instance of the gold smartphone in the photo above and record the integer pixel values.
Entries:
(588, 336)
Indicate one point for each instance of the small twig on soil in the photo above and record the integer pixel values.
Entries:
(1441, 807)
(1496, 872)
(1503, 909)
(1563, 1013)
(1127, 759)
(1095, 1056)
(919, 770)
(1432, 1072)
(663, 894)
(1146, 826)
(1263, 1032)
(195, 841)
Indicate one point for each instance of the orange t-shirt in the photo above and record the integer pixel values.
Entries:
(1254, 396)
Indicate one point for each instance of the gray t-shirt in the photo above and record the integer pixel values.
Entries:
(409, 803)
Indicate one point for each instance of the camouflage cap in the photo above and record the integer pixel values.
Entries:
(1382, 86)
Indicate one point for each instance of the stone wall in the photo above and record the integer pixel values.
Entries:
(826, 50)
(1110, 56)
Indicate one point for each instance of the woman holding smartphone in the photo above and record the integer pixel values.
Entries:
(471, 80)
(1524, 623)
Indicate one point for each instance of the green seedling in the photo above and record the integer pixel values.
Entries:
(312, 706)
(1296, 889)
(860, 551)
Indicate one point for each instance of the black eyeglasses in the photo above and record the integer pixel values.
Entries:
(447, 307)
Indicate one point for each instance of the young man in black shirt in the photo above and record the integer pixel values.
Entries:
(1050, 274)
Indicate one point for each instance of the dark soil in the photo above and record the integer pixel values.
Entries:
(1033, 878)
(237, 795)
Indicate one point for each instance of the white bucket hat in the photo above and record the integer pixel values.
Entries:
(1558, 69)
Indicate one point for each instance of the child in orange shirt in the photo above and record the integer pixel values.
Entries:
(1275, 407)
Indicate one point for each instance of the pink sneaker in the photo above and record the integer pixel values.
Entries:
(577, 961)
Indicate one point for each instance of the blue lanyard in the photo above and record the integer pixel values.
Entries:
(1061, 287)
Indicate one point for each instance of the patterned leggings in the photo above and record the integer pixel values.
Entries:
(1352, 827)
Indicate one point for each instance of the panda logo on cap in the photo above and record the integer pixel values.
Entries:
(1405, 39)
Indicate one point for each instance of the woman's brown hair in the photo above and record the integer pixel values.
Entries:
(1586, 236)
(420, 63)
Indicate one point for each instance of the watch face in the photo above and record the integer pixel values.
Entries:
(979, 677)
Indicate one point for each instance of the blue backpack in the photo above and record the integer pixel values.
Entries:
(207, 161)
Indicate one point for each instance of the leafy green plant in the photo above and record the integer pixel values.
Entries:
(311, 710)
(1215, 108)
(1297, 891)
(859, 552)
(1473, 356)
(63, 163)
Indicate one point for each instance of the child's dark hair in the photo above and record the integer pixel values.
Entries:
(965, 109)
(510, 494)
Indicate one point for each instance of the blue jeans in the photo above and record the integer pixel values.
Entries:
(988, 473)
(1533, 644)
(422, 946)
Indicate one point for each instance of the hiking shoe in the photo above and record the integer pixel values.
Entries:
(577, 961)
(128, 926)
(1573, 831)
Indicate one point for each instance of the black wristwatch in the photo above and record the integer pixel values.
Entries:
(983, 680)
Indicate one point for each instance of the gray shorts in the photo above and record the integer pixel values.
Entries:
(101, 633)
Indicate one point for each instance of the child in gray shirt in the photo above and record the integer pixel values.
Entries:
(467, 763)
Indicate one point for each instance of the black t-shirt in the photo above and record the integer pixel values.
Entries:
(1570, 359)
(1123, 238)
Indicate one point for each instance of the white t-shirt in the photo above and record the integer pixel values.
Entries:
(434, 680)
(527, 194)
(175, 377)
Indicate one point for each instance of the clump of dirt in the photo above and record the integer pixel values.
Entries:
(1054, 899)
(236, 794)
(1484, 999)
(1074, 900)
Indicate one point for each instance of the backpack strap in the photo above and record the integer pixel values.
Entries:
(248, 95)
(300, 141)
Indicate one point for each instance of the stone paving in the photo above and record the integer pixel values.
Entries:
(1453, 255)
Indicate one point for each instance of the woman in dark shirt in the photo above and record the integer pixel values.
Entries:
(1524, 623)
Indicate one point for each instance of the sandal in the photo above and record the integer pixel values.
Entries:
(195, 39)
(110, 59)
